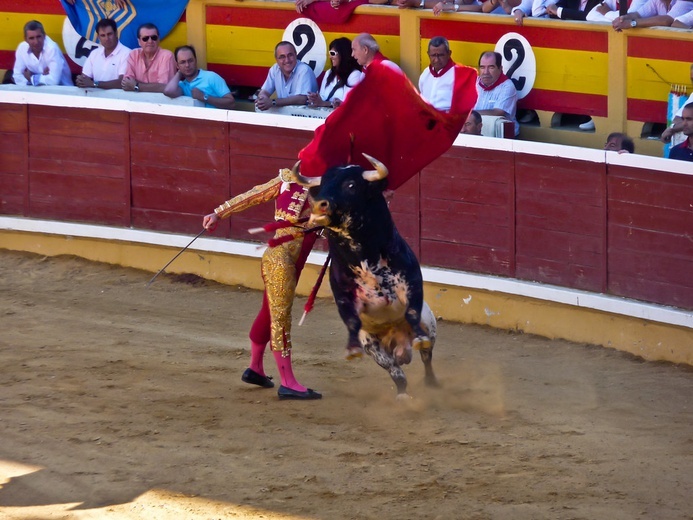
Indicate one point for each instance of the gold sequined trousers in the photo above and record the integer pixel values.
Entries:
(281, 268)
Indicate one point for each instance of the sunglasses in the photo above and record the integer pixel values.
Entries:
(333, 53)
(154, 37)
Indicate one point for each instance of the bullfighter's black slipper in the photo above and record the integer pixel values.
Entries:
(288, 393)
(253, 378)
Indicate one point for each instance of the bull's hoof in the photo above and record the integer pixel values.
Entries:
(421, 343)
(354, 353)
(432, 382)
(404, 397)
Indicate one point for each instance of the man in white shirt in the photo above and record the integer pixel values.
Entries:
(106, 65)
(437, 81)
(39, 60)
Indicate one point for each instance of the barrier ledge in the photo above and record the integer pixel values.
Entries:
(186, 107)
(653, 332)
(146, 103)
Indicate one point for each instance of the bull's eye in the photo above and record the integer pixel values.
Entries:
(350, 185)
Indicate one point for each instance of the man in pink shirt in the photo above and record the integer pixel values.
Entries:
(149, 68)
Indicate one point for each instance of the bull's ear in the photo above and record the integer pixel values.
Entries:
(378, 174)
(304, 181)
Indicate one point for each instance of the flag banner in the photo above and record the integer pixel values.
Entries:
(85, 14)
(385, 117)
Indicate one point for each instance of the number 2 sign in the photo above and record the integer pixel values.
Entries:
(519, 63)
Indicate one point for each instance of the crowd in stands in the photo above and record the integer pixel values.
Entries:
(150, 68)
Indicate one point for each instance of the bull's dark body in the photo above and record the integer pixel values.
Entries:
(364, 242)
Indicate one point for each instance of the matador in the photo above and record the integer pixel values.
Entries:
(281, 266)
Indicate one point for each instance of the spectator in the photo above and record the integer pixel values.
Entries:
(202, 85)
(684, 151)
(344, 74)
(150, 67)
(437, 81)
(39, 60)
(366, 50)
(105, 65)
(497, 93)
(683, 20)
(618, 142)
(290, 78)
(473, 124)
(608, 10)
(281, 267)
(655, 13)
(677, 123)
(571, 9)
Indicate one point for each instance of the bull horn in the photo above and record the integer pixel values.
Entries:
(380, 171)
(304, 181)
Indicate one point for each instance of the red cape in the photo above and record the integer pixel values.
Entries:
(387, 118)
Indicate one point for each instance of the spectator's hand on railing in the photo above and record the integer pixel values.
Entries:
(84, 81)
(302, 4)
(552, 10)
(263, 101)
(519, 17)
(622, 22)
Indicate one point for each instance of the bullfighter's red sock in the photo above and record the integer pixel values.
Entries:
(286, 372)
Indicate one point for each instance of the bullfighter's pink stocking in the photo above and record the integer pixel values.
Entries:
(257, 352)
(286, 373)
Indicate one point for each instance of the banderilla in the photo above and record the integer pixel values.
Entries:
(172, 259)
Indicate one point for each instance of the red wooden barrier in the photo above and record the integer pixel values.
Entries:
(14, 166)
(573, 223)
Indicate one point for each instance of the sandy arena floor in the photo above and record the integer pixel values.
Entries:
(121, 402)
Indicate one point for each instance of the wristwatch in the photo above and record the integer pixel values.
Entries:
(137, 87)
(96, 84)
(206, 98)
(633, 23)
(422, 4)
(274, 102)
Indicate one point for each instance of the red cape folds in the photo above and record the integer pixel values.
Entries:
(390, 121)
(323, 12)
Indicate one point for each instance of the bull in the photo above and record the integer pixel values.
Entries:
(375, 277)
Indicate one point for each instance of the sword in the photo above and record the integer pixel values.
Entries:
(172, 259)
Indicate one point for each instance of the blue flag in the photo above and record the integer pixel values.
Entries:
(85, 14)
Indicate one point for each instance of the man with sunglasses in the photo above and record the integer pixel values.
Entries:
(150, 67)
(290, 78)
